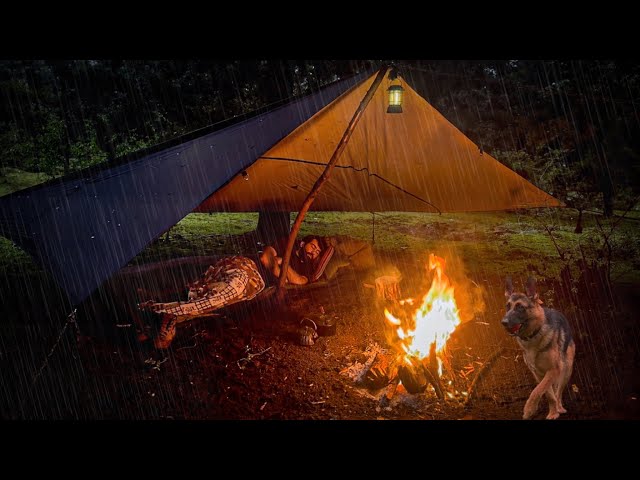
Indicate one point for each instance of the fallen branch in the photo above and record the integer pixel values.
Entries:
(249, 357)
(485, 368)
(195, 343)
(155, 364)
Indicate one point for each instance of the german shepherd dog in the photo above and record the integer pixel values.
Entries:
(545, 337)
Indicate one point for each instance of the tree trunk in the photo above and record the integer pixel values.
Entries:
(579, 224)
(273, 226)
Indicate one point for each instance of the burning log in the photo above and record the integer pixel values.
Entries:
(432, 372)
(413, 378)
(387, 288)
(419, 374)
(382, 371)
(391, 389)
(446, 357)
(435, 381)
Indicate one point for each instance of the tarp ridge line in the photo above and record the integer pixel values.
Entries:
(357, 169)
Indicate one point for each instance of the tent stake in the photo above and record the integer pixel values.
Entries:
(323, 178)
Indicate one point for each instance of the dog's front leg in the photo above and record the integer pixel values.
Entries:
(531, 406)
(554, 407)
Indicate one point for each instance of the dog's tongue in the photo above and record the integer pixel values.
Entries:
(516, 328)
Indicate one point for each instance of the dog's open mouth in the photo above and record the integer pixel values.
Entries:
(515, 329)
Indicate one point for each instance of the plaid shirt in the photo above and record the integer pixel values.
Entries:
(230, 280)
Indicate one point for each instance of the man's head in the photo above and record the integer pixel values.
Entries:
(311, 247)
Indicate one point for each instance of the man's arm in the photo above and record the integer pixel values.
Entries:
(292, 276)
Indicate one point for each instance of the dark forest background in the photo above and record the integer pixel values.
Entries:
(571, 127)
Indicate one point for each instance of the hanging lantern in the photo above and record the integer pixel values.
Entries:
(396, 93)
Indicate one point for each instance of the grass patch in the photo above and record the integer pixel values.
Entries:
(14, 179)
(196, 225)
(490, 244)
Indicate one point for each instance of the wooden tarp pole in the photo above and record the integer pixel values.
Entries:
(323, 178)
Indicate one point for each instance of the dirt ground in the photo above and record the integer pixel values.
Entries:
(247, 363)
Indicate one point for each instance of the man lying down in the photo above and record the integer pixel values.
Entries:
(238, 278)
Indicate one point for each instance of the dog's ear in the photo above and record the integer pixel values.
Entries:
(531, 288)
(508, 288)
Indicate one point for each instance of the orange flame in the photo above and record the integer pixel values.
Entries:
(435, 319)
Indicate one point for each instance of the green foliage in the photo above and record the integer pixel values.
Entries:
(13, 179)
(15, 261)
(18, 147)
(86, 152)
(131, 144)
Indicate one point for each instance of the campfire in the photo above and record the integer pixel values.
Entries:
(420, 337)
